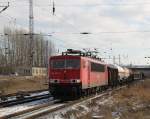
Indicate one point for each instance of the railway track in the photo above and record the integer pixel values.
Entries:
(21, 98)
(24, 100)
(6, 97)
(54, 106)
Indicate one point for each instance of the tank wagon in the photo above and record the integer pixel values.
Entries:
(75, 73)
(125, 75)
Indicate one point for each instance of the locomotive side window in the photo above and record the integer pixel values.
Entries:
(97, 67)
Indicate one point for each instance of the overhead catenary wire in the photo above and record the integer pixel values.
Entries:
(59, 18)
(53, 4)
(107, 32)
(94, 33)
(79, 33)
(98, 4)
(4, 7)
(84, 5)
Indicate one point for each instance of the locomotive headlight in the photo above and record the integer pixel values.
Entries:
(54, 81)
(78, 80)
(75, 80)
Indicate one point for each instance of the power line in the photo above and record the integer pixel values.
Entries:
(25, 34)
(103, 32)
(115, 32)
(101, 4)
(76, 33)
(58, 17)
(88, 5)
(4, 7)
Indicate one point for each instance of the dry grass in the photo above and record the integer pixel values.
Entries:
(129, 103)
(138, 91)
(13, 85)
(135, 101)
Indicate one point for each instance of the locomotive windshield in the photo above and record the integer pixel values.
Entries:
(57, 64)
(65, 64)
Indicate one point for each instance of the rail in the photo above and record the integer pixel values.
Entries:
(24, 97)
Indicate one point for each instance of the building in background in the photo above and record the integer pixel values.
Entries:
(39, 71)
(34, 71)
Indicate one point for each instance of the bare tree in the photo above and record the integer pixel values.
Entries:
(15, 49)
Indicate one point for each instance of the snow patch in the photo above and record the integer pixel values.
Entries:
(13, 109)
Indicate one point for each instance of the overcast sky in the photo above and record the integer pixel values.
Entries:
(116, 26)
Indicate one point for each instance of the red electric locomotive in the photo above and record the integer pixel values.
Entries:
(75, 73)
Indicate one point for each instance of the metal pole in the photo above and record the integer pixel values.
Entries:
(119, 60)
(47, 62)
(114, 59)
(31, 31)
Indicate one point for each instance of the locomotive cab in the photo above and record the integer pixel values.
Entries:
(64, 74)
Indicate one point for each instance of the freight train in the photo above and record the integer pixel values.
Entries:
(75, 74)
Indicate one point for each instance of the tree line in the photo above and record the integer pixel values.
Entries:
(15, 50)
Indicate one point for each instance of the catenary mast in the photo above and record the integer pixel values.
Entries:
(31, 31)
